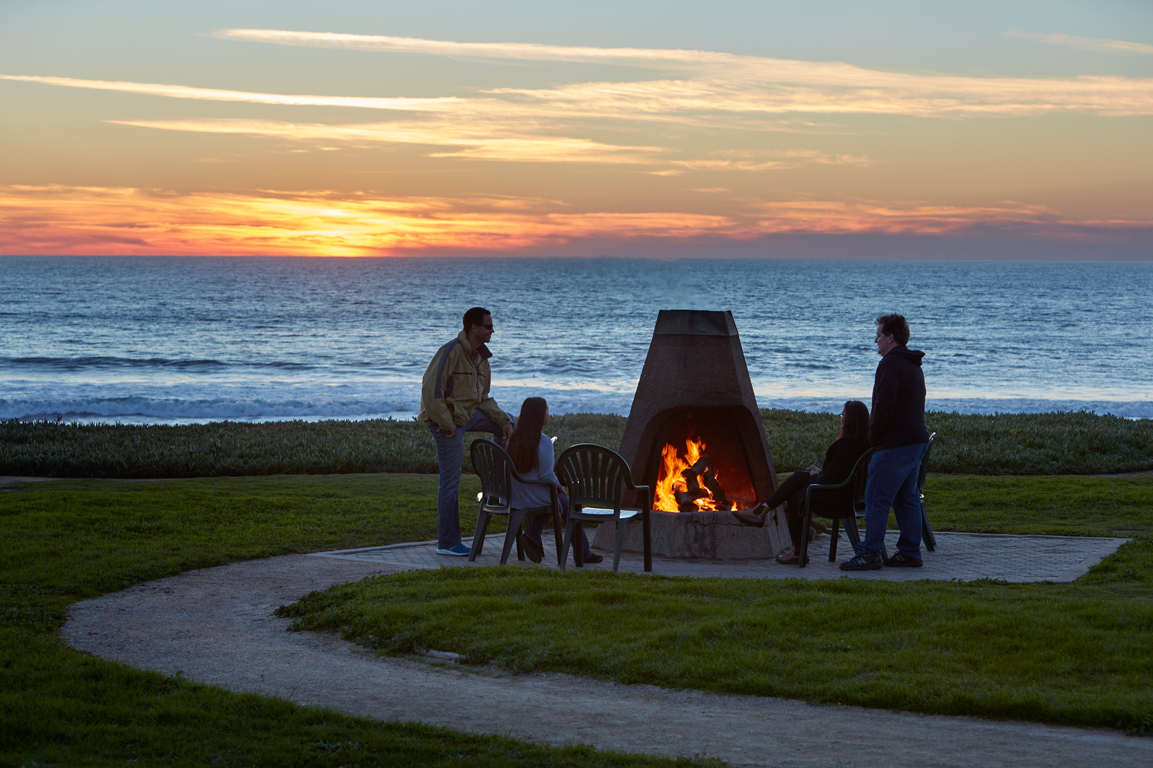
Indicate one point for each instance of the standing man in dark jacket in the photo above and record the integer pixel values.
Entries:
(897, 432)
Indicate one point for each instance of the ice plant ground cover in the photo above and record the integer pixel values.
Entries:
(1005, 444)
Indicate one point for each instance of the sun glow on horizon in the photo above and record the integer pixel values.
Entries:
(127, 221)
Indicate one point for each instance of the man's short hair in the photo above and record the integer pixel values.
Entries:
(474, 316)
(896, 326)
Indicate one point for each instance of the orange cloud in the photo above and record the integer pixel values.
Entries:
(93, 220)
(98, 220)
(874, 217)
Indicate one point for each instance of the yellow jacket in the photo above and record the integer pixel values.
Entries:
(454, 387)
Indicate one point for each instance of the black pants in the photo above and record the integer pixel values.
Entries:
(791, 493)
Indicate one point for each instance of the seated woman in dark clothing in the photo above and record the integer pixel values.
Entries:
(839, 461)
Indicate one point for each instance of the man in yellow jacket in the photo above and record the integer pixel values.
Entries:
(454, 400)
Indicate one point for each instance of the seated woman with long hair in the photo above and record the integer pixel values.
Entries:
(531, 452)
(839, 461)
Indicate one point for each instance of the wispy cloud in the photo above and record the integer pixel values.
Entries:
(712, 89)
(723, 82)
(1088, 43)
(488, 141)
(636, 57)
(764, 160)
(213, 94)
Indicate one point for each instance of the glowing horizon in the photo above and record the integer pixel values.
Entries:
(540, 147)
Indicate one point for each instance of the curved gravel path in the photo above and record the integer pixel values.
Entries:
(216, 626)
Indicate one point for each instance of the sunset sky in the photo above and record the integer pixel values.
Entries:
(1006, 129)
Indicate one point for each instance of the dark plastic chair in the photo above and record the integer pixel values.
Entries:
(926, 529)
(496, 471)
(596, 479)
(858, 479)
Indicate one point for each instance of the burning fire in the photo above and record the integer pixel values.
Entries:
(679, 474)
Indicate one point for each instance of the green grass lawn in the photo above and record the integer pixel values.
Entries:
(1072, 653)
(69, 540)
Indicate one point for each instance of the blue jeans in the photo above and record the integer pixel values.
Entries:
(449, 454)
(893, 483)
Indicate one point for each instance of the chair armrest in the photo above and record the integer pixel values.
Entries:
(830, 486)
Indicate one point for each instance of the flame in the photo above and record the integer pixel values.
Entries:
(670, 480)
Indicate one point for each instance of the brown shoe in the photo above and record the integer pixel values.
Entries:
(529, 547)
(753, 516)
(789, 557)
(818, 529)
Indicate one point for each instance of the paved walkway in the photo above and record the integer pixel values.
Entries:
(216, 626)
(959, 556)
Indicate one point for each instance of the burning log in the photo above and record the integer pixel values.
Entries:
(694, 476)
(685, 499)
(716, 490)
(696, 469)
(685, 487)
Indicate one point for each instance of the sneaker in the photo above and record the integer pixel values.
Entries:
(460, 550)
(901, 560)
(866, 561)
(593, 558)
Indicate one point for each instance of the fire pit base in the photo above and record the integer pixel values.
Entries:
(701, 535)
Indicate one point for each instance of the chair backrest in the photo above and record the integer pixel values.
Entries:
(494, 468)
(594, 476)
(925, 465)
(860, 477)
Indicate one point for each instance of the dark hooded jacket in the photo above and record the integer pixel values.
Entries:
(898, 414)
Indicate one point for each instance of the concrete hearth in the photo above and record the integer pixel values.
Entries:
(703, 535)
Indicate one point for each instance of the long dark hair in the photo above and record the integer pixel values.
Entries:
(856, 423)
(525, 440)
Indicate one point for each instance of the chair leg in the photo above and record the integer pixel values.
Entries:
(926, 529)
(578, 552)
(647, 534)
(557, 535)
(514, 520)
(833, 543)
(804, 553)
(853, 533)
(478, 536)
(622, 530)
(568, 531)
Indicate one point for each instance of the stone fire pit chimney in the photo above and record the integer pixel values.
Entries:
(695, 385)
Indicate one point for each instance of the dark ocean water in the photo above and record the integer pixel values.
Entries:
(176, 340)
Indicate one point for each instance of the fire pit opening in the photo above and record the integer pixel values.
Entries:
(700, 462)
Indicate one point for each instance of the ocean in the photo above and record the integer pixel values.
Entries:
(152, 340)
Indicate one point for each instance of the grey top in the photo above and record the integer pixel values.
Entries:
(529, 496)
